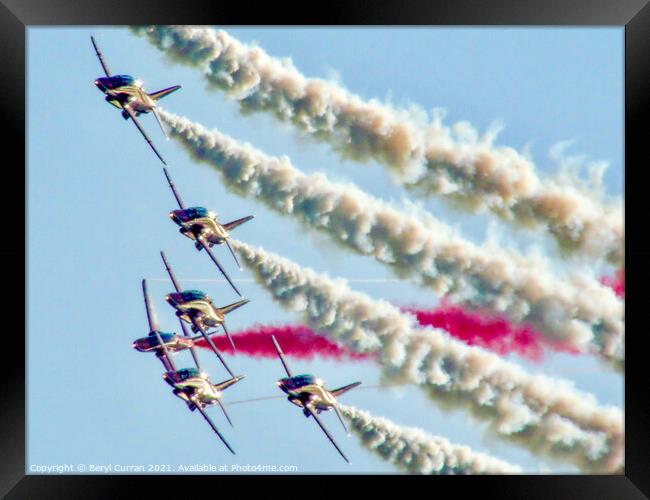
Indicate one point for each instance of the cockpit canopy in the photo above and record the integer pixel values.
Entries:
(296, 382)
(151, 341)
(182, 375)
(165, 337)
(189, 214)
(114, 82)
(186, 296)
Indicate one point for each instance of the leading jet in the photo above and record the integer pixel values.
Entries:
(195, 307)
(190, 384)
(126, 93)
(308, 392)
(203, 227)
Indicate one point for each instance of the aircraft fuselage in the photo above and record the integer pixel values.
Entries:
(173, 343)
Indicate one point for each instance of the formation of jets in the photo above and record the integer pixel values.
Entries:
(194, 308)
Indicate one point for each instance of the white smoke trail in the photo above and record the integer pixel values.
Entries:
(545, 414)
(426, 156)
(577, 311)
(417, 452)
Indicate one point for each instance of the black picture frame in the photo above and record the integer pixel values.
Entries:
(17, 15)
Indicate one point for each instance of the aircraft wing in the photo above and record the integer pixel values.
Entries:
(151, 314)
(170, 362)
(281, 355)
(192, 349)
(329, 436)
(173, 188)
(177, 287)
(100, 56)
(144, 134)
(223, 408)
(170, 272)
(163, 359)
(213, 347)
(232, 343)
(214, 259)
(214, 427)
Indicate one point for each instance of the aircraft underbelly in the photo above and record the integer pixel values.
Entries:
(204, 310)
(199, 306)
(209, 228)
(139, 107)
(198, 385)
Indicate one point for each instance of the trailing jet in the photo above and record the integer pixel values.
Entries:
(126, 93)
(307, 392)
(193, 386)
(196, 308)
(202, 226)
(190, 384)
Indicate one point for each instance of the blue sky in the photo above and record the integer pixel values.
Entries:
(97, 218)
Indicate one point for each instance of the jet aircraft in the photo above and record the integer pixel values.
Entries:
(126, 93)
(158, 341)
(308, 392)
(203, 227)
(193, 386)
(195, 307)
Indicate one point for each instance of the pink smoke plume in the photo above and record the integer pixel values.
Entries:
(616, 283)
(484, 330)
(296, 341)
(474, 328)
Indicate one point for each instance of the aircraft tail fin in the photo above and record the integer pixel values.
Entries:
(233, 306)
(232, 252)
(341, 419)
(155, 113)
(345, 388)
(162, 93)
(232, 225)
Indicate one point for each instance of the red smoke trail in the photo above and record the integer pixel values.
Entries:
(296, 341)
(488, 331)
(483, 329)
(616, 283)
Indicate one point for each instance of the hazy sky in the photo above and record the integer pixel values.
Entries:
(97, 218)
